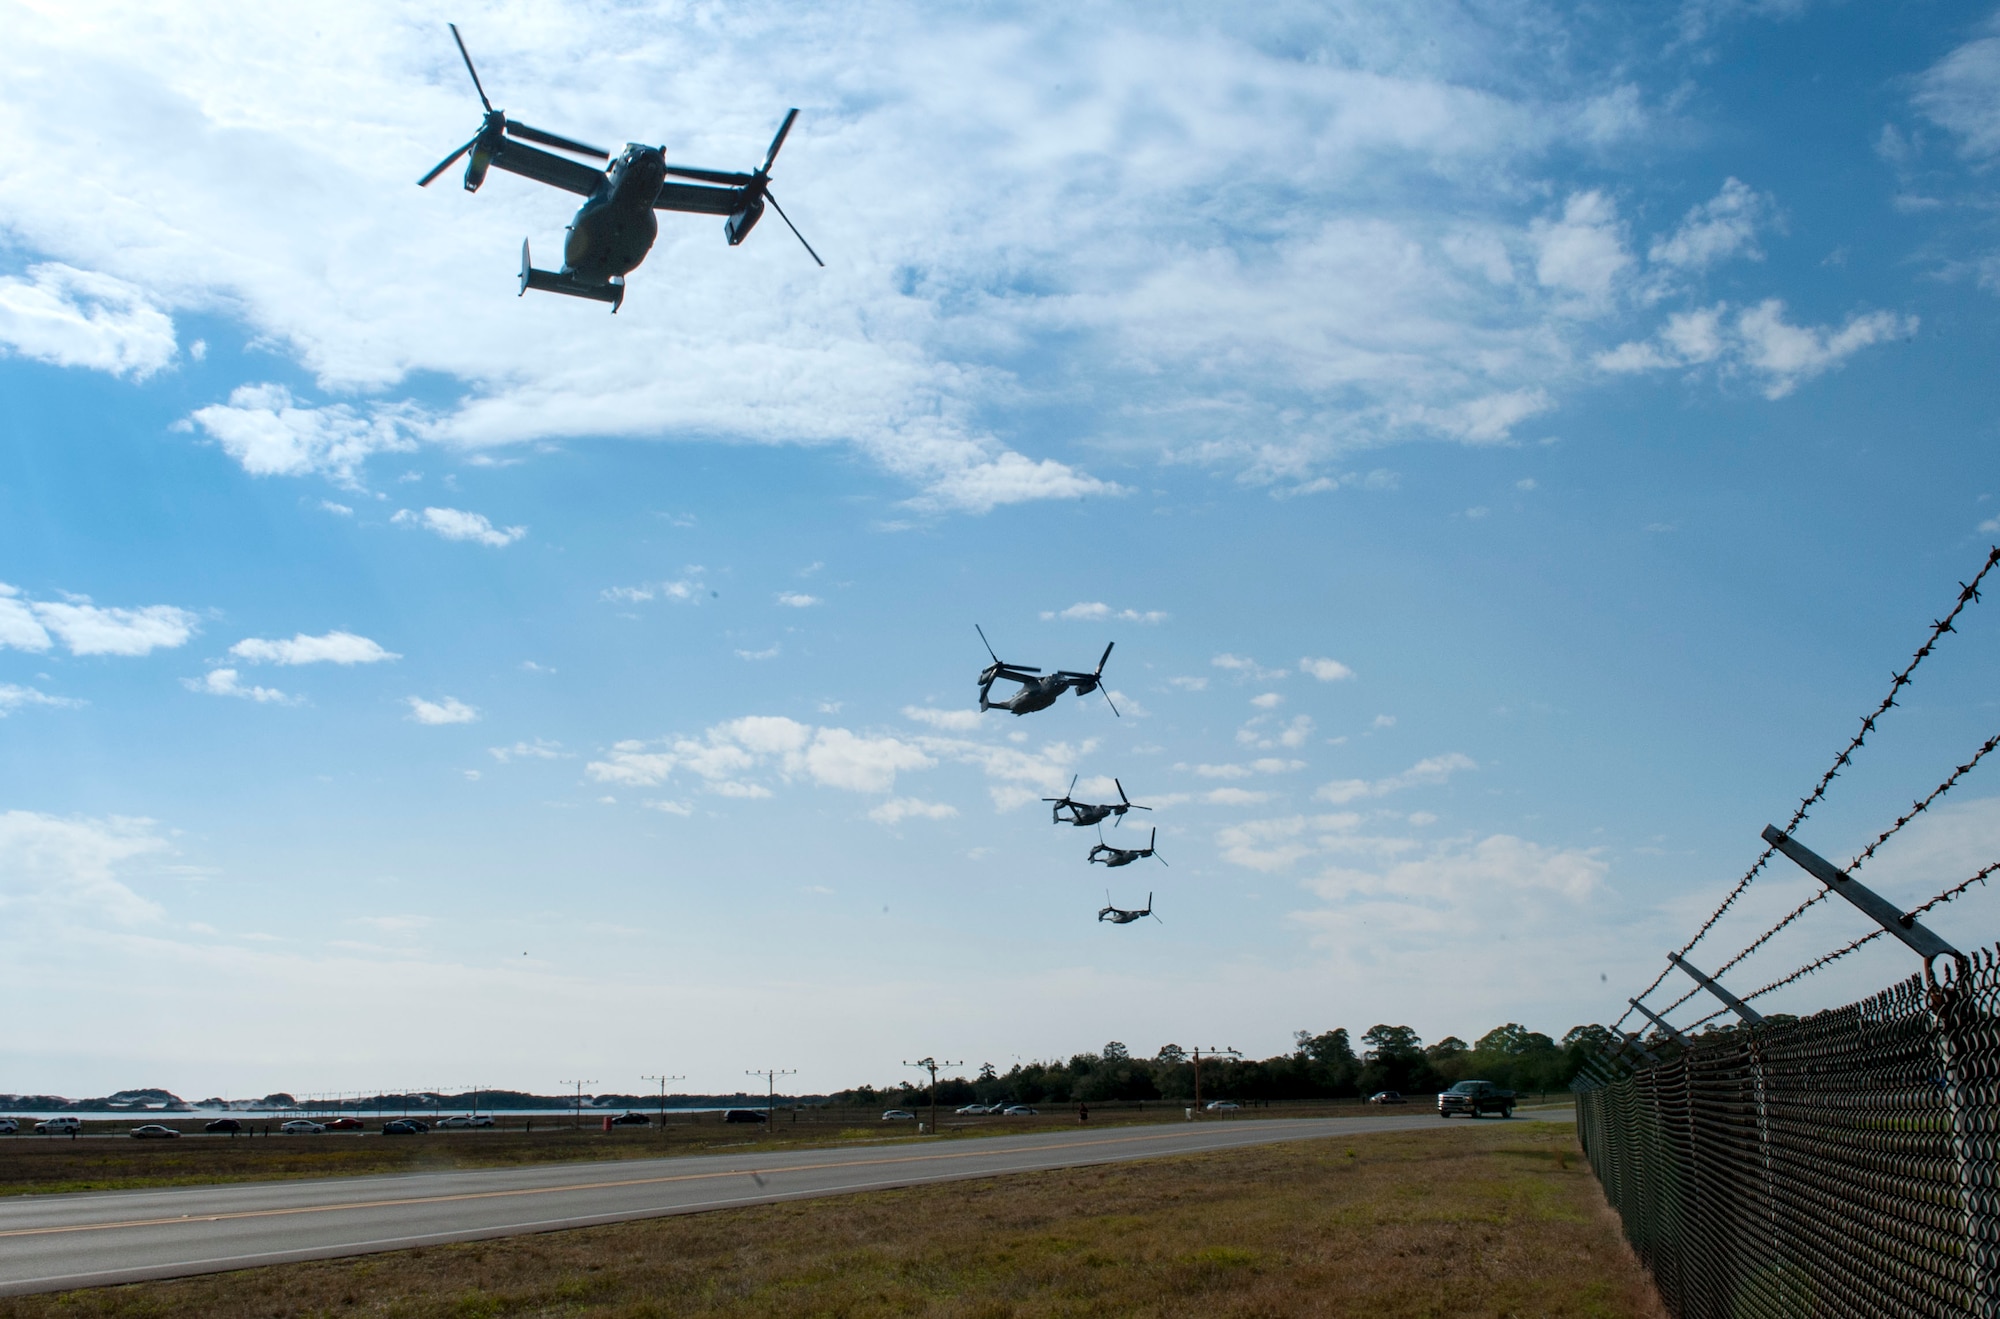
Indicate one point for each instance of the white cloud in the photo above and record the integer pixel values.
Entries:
(18, 628)
(1273, 845)
(1720, 228)
(1273, 765)
(1189, 684)
(1433, 770)
(228, 682)
(535, 750)
(956, 721)
(898, 809)
(1787, 354)
(1501, 866)
(1097, 611)
(448, 711)
(338, 510)
(830, 757)
(68, 868)
(269, 433)
(1292, 734)
(1757, 339)
(72, 317)
(1326, 670)
(332, 648)
(1268, 700)
(689, 588)
(769, 652)
(1961, 93)
(13, 697)
(1583, 253)
(457, 524)
(1234, 797)
(798, 600)
(1246, 668)
(89, 629)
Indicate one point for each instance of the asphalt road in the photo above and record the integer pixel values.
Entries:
(52, 1242)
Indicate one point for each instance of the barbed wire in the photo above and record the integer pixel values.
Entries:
(1916, 808)
(1955, 891)
(1968, 593)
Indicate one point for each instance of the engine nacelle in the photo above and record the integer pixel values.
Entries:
(738, 226)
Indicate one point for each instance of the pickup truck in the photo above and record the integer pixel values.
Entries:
(1475, 1097)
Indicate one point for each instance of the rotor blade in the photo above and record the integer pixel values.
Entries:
(779, 140)
(447, 162)
(728, 178)
(1137, 807)
(1108, 701)
(1121, 791)
(1162, 860)
(984, 642)
(1072, 784)
(794, 228)
(1105, 656)
(547, 139)
(468, 67)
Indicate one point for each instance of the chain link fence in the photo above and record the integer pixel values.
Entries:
(1846, 1163)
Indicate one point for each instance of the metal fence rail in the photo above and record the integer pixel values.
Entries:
(1846, 1163)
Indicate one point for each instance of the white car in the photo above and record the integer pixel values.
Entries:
(8, 1126)
(898, 1115)
(466, 1120)
(301, 1127)
(1018, 1110)
(1221, 1106)
(57, 1126)
(975, 1108)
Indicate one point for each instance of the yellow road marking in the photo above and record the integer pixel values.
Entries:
(463, 1196)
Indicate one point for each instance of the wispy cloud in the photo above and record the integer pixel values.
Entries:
(457, 524)
(1097, 611)
(1434, 770)
(448, 711)
(229, 682)
(332, 648)
(88, 629)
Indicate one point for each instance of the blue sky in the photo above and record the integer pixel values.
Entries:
(1510, 448)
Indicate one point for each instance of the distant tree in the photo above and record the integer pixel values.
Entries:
(1386, 1043)
(986, 1072)
(1171, 1054)
(1448, 1047)
(1114, 1052)
(1513, 1040)
(1330, 1047)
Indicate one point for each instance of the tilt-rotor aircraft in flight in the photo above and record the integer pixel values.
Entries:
(615, 228)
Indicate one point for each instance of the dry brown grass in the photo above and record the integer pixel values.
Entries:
(1459, 1221)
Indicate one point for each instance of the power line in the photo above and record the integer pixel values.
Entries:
(1968, 593)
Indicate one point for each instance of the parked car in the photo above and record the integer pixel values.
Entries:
(976, 1108)
(742, 1115)
(1222, 1106)
(1475, 1097)
(154, 1131)
(1018, 1110)
(455, 1121)
(227, 1126)
(626, 1120)
(299, 1126)
(9, 1126)
(59, 1126)
(1387, 1097)
(345, 1124)
(898, 1115)
(405, 1126)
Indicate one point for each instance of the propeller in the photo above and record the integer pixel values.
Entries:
(497, 123)
(757, 187)
(1153, 847)
(1066, 796)
(1025, 668)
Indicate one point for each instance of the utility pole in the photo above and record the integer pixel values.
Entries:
(1212, 1053)
(771, 1075)
(578, 1123)
(932, 1065)
(663, 1094)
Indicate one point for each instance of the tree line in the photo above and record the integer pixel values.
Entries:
(1326, 1065)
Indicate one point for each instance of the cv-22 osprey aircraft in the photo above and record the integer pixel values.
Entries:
(1085, 813)
(614, 229)
(1120, 916)
(1038, 690)
(1105, 854)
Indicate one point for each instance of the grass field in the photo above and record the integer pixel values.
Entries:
(1460, 1220)
(41, 1164)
